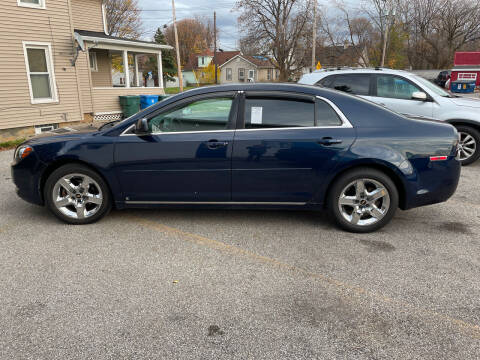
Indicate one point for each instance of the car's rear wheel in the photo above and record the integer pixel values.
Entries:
(363, 200)
(469, 146)
(77, 195)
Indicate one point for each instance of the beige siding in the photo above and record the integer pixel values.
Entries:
(50, 25)
(263, 75)
(87, 15)
(235, 64)
(84, 80)
(103, 76)
(106, 100)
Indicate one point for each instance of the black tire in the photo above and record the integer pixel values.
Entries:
(476, 136)
(103, 209)
(345, 180)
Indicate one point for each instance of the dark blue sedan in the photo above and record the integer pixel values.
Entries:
(268, 146)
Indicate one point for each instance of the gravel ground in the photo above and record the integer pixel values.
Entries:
(239, 285)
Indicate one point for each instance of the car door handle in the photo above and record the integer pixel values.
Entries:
(327, 141)
(215, 144)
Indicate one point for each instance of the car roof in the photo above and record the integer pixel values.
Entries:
(267, 87)
(317, 75)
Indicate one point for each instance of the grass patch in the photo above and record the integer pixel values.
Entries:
(176, 90)
(7, 145)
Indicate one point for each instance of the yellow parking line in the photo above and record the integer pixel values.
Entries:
(468, 328)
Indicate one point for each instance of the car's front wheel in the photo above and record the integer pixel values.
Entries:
(363, 200)
(77, 195)
(469, 146)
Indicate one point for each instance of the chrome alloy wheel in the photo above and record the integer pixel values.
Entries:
(77, 196)
(364, 202)
(467, 146)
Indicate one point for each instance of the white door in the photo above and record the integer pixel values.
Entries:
(251, 75)
(395, 93)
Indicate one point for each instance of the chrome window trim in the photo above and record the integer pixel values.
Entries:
(346, 124)
(175, 132)
(296, 128)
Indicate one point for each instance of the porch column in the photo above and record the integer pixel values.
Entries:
(160, 69)
(126, 68)
(136, 71)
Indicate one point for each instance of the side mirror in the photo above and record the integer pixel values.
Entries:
(141, 127)
(419, 95)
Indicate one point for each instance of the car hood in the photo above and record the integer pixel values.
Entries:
(63, 134)
(468, 102)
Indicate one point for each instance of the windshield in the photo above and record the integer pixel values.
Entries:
(431, 86)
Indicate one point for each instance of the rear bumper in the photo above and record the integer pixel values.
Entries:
(436, 182)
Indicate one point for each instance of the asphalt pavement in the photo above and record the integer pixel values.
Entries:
(185, 284)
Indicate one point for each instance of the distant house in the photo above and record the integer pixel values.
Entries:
(197, 63)
(60, 66)
(245, 68)
(466, 67)
(234, 67)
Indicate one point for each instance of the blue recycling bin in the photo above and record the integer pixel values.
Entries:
(463, 87)
(147, 100)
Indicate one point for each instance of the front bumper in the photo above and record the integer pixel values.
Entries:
(26, 175)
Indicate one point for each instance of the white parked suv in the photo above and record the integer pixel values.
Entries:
(412, 96)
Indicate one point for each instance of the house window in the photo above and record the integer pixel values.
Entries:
(229, 74)
(41, 77)
(241, 74)
(104, 16)
(251, 74)
(203, 60)
(38, 4)
(269, 74)
(92, 56)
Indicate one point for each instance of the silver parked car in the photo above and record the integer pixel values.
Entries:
(412, 96)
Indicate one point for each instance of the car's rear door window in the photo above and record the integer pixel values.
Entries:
(356, 84)
(326, 82)
(263, 113)
(202, 115)
(395, 87)
(326, 115)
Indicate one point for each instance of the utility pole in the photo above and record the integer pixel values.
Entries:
(314, 35)
(387, 30)
(215, 45)
(179, 66)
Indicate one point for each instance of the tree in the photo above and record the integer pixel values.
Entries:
(194, 36)
(436, 29)
(346, 29)
(248, 47)
(123, 18)
(207, 75)
(168, 58)
(280, 28)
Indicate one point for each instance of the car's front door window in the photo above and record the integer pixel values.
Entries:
(395, 87)
(202, 115)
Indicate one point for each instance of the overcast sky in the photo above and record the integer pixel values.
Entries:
(157, 13)
(226, 19)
